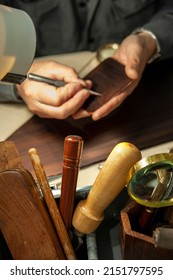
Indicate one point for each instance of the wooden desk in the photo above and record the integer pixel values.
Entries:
(145, 119)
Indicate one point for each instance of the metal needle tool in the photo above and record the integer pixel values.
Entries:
(18, 79)
(55, 83)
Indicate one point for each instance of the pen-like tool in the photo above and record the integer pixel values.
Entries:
(18, 79)
(55, 83)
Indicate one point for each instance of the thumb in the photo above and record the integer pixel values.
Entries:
(132, 69)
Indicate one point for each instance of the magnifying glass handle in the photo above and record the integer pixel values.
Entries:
(146, 218)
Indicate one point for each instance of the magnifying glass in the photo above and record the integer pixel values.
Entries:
(106, 50)
(150, 181)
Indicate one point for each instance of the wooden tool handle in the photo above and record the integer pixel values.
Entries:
(146, 218)
(108, 184)
(73, 146)
(51, 205)
(9, 156)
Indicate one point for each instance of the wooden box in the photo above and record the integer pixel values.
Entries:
(134, 244)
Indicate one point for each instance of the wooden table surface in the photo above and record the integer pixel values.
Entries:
(144, 119)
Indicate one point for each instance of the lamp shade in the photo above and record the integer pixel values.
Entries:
(17, 41)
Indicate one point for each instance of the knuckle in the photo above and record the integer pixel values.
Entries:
(71, 72)
(33, 109)
(51, 63)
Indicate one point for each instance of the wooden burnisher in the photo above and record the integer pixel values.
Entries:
(110, 181)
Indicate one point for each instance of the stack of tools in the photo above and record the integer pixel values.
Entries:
(24, 221)
(43, 228)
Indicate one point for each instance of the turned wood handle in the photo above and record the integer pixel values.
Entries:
(108, 184)
(51, 205)
(73, 146)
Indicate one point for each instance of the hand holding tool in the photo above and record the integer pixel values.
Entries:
(19, 78)
(108, 184)
(55, 83)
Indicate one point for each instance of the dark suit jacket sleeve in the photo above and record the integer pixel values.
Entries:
(161, 24)
(8, 93)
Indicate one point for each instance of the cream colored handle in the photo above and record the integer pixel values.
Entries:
(108, 184)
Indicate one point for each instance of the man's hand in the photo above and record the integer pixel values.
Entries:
(49, 102)
(134, 52)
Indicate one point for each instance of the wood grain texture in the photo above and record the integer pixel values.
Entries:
(110, 181)
(20, 220)
(26, 187)
(9, 156)
(40, 203)
(109, 79)
(134, 244)
(145, 119)
(52, 205)
(73, 146)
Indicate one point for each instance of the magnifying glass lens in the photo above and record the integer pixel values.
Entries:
(152, 185)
